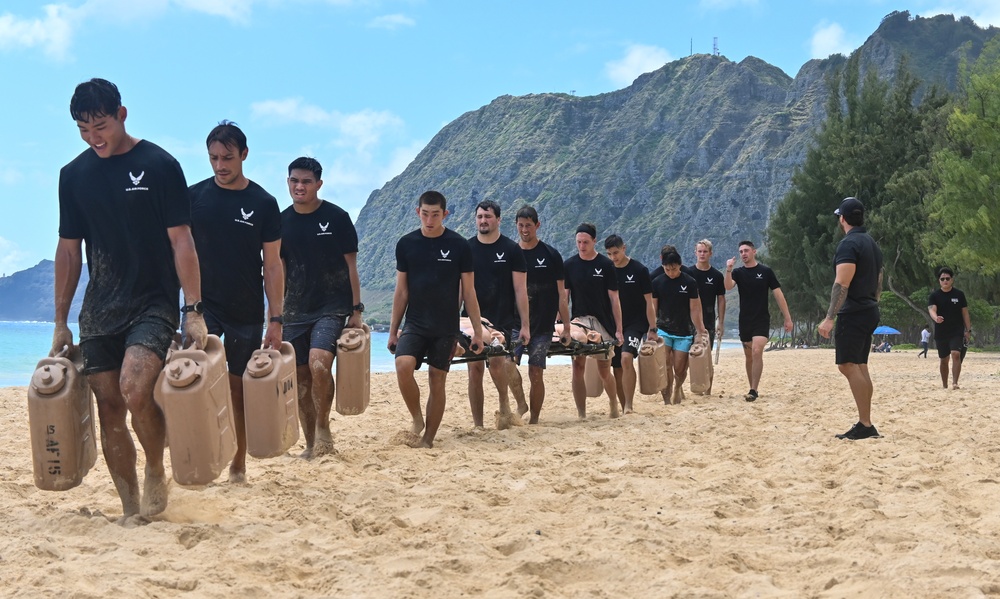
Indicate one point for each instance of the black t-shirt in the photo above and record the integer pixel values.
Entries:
(949, 305)
(494, 265)
(711, 284)
(633, 285)
(230, 228)
(589, 282)
(433, 267)
(545, 270)
(858, 248)
(121, 207)
(673, 307)
(753, 284)
(317, 279)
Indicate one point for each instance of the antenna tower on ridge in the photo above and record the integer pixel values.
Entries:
(715, 46)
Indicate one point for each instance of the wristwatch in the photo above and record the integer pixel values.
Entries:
(359, 307)
(278, 319)
(196, 307)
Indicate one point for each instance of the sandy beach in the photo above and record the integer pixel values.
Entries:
(715, 497)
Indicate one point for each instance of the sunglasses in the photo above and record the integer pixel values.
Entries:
(944, 279)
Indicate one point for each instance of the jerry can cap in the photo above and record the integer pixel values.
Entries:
(49, 379)
(182, 372)
(260, 364)
(350, 340)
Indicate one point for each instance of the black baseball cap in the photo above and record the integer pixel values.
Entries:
(850, 206)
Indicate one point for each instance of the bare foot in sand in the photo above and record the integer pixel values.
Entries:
(419, 443)
(506, 420)
(522, 409)
(678, 395)
(614, 409)
(154, 494)
(237, 477)
(665, 394)
(323, 444)
(954, 386)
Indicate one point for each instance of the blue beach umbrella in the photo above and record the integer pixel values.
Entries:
(884, 330)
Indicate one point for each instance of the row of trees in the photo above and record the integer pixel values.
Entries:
(925, 164)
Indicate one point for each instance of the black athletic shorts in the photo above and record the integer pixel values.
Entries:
(634, 337)
(853, 335)
(322, 333)
(755, 329)
(240, 340)
(949, 344)
(437, 351)
(106, 352)
(537, 348)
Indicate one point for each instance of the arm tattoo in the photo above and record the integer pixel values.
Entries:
(837, 297)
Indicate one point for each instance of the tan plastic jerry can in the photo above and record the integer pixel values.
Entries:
(354, 358)
(270, 402)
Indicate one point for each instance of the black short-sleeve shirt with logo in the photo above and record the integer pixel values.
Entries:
(545, 270)
(711, 284)
(633, 285)
(121, 207)
(949, 305)
(230, 228)
(433, 267)
(588, 282)
(494, 265)
(317, 279)
(673, 303)
(753, 284)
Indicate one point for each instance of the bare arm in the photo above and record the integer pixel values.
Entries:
(521, 298)
(274, 289)
(563, 311)
(400, 299)
(697, 316)
(472, 309)
(838, 295)
(783, 306)
(728, 279)
(186, 263)
(650, 317)
(69, 264)
(721, 315)
(352, 269)
(968, 321)
(616, 310)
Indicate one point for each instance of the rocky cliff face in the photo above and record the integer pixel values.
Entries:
(29, 294)
(702, 147)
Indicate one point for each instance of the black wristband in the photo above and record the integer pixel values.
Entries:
(278, 319)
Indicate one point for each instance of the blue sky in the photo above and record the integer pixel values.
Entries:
(362, 85)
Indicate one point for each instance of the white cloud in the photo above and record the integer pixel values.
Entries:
(234, 10)
(52, 33)
(725, 4)
(10, 176)
(983, 12)
(360, 130)
(830, 38)
(391, 22)
(12, 259)
(638, 59)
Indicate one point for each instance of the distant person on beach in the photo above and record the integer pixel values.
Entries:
(127, 198)
(502, 292)
(635, 295)
(950, 312)
(433, 264)
(237, 231)
(319, 249)
(857, 286)
(678, 318)
(592, 286)
(754, 279)
(546, 302)
(925, 339)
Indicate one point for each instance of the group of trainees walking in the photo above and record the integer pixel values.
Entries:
(224, 242)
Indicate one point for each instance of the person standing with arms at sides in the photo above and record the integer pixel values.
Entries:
(857, 286)
(237, 232)
(950, 312)
(319, 249)
(592, 286)
(433, 264)
(678, 318)
(638, 317)
(754, 279)
(546, 300)
(127, 198)
(925, 340)
(502, 292)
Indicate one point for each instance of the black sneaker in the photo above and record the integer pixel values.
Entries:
(751, 395)
(860, 431)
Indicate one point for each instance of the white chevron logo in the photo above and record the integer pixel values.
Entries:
(597, 271)
(629, 277)
(709, 281)
(444, 254)
(760, 275)
(136, 180)
(540, 261)
(323, 227)
(501, 255)
(246, 214)
(684, 288)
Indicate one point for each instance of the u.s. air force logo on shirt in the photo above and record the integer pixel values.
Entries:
(323, 229)
(541, 263)
(245, 220)
(136, 182)
(500, 258)
(629, 278)
(597, 272)
(444, 256)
